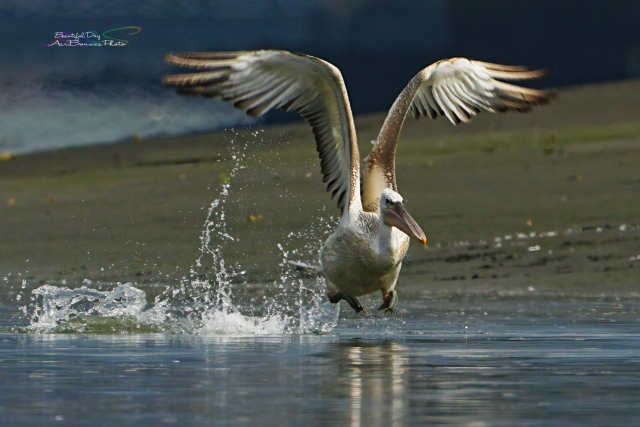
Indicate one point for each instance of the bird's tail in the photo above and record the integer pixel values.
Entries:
(315, 270)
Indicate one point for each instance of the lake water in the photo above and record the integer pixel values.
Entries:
(484, 359)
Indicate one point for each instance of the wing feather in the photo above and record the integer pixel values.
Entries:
(259, 81)
(456, 88)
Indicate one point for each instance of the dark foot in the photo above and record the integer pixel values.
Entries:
(353, 301)
(389, 300)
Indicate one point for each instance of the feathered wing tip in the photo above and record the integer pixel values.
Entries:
(514, 94)
(210, 60)
(519, 98)
(195, 79)
(512, 72)
(171, 56)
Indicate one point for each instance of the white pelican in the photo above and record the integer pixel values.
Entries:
(365, 252)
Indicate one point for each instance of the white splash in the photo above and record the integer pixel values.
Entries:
(296, 306)
(237, 324)
(204, 302)
(55, 305)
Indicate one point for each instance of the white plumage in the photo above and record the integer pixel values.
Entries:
(365, 252)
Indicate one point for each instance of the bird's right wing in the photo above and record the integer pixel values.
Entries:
(258, 81)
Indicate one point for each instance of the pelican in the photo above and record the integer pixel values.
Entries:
(365, 252)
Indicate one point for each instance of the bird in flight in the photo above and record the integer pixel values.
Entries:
(365, 252)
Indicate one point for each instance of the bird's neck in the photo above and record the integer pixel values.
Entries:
(389, 238)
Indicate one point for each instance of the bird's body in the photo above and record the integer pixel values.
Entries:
(365, 252)
(363, 256)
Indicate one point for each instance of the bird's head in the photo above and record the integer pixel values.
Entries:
(394, 214)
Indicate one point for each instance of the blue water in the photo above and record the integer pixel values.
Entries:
(479, 360)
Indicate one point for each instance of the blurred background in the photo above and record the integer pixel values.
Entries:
(55, 97)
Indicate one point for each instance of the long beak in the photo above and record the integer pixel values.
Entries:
(398, 217)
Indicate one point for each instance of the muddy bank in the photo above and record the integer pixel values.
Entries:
(134, 211)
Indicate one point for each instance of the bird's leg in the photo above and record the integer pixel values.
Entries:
(389, 300)
(353, 301)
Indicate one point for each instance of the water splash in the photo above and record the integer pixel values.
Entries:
(54, 308)
(290, 305)
(213, 299)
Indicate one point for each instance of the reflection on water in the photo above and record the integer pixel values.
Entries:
(377, 375)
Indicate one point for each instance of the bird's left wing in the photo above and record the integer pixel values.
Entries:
(457, 88)
(460, 88)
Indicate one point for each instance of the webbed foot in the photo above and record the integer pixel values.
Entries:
(389, 300)
(353, 301)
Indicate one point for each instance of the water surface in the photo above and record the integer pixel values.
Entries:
(478, 360)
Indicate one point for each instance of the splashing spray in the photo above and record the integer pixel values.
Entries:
(204, 302)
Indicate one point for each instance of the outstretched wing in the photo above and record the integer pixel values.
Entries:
(457, 88)
(258, 81)
(460, 88)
